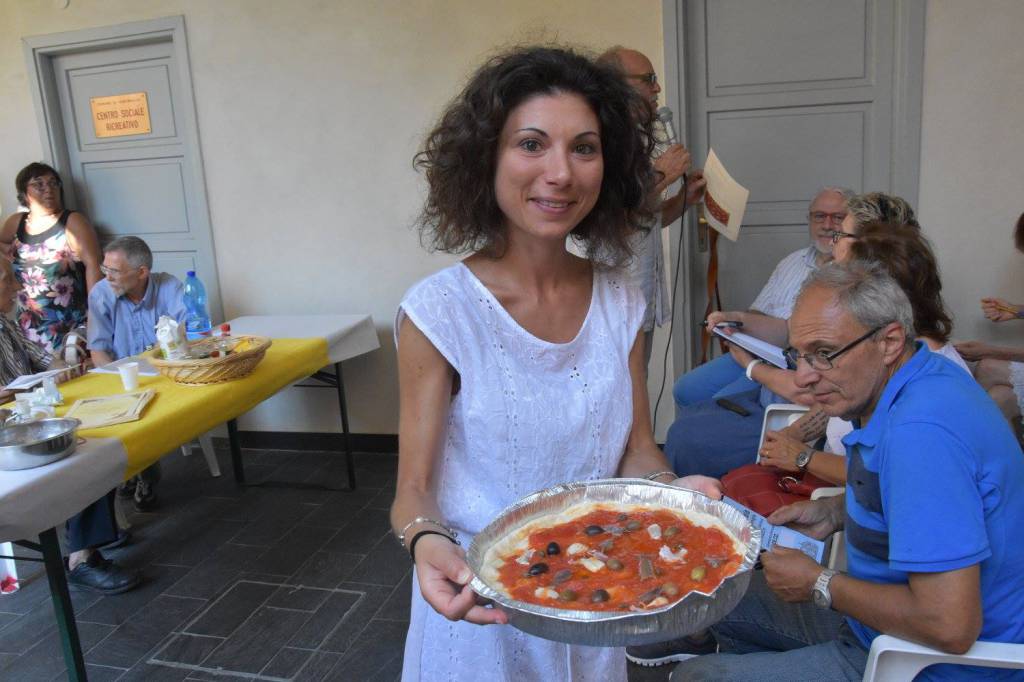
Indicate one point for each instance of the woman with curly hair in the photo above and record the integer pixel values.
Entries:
(520, 366)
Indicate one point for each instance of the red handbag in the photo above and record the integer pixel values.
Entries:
(765, 489)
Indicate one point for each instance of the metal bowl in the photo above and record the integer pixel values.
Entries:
(692, 613)
(35, 443)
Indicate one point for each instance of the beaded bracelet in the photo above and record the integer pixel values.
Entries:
(424, 519)
(659, 474)
(416, 538)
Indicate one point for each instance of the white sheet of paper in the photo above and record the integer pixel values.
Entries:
(30, 380)
(772, 535)
(725, 200)
(145, 369)
(762, 349)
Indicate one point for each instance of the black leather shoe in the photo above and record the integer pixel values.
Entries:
(102, 576)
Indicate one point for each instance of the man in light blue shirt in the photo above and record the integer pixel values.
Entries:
(123, 311)
(125, 306)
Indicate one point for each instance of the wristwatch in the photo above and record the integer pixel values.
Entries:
(804, 458)
(820, 595)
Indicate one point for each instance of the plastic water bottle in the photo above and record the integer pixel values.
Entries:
(197, 317)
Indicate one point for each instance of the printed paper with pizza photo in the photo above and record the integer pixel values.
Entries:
(725, 200)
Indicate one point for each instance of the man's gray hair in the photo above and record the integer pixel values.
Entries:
(876, 207)
(844, 192)
(135, 251)
(867, 291)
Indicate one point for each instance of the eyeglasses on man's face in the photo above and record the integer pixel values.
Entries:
(108, 271)
(820, 217)
(42, 185)
(836, 235)
(649, 78)
(823, 360)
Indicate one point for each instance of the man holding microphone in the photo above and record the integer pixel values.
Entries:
(647, 268)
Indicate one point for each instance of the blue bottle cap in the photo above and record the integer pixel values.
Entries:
(190, 273)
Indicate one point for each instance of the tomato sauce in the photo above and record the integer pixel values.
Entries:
(608, 560)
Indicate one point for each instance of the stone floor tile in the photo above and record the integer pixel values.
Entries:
(298, 598)
(287, 663)
(116, 609)
(352, 625)
(397, 605)
(359, 536)
(135, 638)
(257, 641)
(228, 612)
(380, 645)
(337, 608)
(326, 569)
(185, 649)
(386, 564)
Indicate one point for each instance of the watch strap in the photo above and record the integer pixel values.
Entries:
(822, 594)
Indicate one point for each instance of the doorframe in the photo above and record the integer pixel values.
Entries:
(905, 158)
(40, 51)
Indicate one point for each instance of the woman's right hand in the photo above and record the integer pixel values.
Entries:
(444, 579)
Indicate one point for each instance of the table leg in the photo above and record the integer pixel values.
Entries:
(62, 607)
(236, 452)
(349, 462)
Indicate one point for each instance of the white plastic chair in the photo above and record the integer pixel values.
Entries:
(837, 550)
(206, 445)
(892, 659)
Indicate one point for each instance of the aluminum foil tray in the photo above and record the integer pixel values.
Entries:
(692, 613)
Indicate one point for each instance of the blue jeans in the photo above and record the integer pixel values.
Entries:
(765, 638)
(710, 440)
(714, 379)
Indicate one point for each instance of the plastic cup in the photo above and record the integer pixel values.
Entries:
(129, 372)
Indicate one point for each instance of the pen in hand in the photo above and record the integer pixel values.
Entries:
(732, 324)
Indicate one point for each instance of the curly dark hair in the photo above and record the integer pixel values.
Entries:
(36, 169)
(459, 157)
(907, 255)
(1018, 234)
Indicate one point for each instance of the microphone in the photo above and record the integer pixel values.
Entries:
(665, 116)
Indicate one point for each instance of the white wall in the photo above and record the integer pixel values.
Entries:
(972, 149)
(309, 115)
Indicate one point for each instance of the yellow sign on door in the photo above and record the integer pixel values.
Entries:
(119, 115)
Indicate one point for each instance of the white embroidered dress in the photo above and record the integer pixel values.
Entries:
(529, 414)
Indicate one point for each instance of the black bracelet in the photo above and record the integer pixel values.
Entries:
(416, 538)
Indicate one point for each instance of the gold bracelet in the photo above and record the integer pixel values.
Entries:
(659, 474)
(424, 519)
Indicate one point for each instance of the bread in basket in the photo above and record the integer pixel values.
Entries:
(247, 353)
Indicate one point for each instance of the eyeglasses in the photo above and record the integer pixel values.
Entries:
(649, 78)
(823, 360)
(819, 217)
(40, 185)
(836, 235)
(115, 272)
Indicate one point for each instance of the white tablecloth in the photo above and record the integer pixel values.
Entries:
(347, 335)
(33, 500)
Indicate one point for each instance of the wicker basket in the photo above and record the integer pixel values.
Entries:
(199, 372)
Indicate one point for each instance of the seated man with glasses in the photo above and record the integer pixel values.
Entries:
(935, 487)
(123, 310)
(766, 318)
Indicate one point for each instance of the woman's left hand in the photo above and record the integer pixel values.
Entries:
(779, 450)
(705, 485)
(973, 350)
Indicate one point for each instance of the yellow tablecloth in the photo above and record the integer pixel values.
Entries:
(178, 414)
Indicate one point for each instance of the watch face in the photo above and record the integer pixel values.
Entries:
(820, 599)
(803, 458)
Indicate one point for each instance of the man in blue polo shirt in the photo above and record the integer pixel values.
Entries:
(935, 490)
(123, 310)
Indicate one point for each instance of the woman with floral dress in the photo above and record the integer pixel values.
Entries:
(56, 255)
